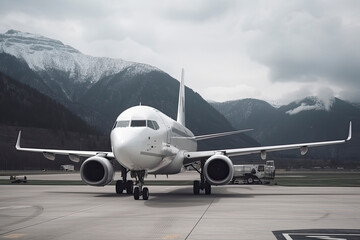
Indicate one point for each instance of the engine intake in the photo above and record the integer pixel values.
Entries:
(97, 171)
(218, 170)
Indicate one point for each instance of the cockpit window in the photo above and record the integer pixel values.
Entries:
(138, 123)
(152, 124)
(156, 125)
(122, 124)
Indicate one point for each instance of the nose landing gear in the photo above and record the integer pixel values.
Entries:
(140, 190)
(128, 185)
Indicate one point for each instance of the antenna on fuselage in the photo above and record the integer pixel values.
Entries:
(181, 102)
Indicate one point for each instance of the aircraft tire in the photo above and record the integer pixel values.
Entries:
(119, 187)
(196, 187)
(136, 193)
(207, 189)
(250, 180)
(145, 193)
(129, 187)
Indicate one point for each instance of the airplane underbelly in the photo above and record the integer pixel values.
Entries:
(139, 160)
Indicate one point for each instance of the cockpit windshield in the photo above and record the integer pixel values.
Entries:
(122, 124)
(137, 123)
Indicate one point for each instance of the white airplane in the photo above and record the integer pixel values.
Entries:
(146, 141)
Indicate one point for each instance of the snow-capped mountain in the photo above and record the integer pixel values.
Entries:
(43, 54)
(62, 72)
(99, 89)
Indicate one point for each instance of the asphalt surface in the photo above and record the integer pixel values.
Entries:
(173, 212)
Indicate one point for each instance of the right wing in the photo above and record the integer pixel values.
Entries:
(73, 154)
(195, 156)
(215, 135)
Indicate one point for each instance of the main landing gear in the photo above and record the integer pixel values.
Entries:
(202, 184)
(124, 184)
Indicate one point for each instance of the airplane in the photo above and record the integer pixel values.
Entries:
(146, 141)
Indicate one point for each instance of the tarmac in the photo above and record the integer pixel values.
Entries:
(173, 212)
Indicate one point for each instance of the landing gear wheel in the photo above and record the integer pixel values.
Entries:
(250, 180)
(136, 193)
(207, 188)
(119, 187)
(196, 187)
(145, 193)
(129, 187)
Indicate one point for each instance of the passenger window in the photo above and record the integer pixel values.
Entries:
(122, 124)
(138, 123)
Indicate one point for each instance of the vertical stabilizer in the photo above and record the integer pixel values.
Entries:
(181, 102)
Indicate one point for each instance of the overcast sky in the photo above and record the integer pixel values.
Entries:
(277, 51)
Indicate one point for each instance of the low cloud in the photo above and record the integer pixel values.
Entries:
(304, 107)
(263, 44)
(324, 101)
(326, 97)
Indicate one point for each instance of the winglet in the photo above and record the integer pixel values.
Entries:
(350, 132)
(17, 146)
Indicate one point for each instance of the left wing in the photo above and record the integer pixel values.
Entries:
(73, 154)
(195, 156)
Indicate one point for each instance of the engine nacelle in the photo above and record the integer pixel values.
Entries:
(218, 170)
(97, 171)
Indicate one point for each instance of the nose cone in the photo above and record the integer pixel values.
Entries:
(126, 145)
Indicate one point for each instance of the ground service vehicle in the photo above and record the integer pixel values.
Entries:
(251, 173)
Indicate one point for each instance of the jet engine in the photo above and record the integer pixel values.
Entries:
(97, 171)
(218, 170)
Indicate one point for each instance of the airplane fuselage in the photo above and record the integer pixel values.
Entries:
(143, 138)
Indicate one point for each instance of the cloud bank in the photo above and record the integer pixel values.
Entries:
(271, 50)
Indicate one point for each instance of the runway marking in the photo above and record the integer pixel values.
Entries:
(326, 238)
(13, 236)
(322, 237)
(321, 234)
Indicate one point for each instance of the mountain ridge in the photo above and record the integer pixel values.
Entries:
(99, 99)
(273, 126)
(42, 53)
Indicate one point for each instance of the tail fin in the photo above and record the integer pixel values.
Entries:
(181, 102)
